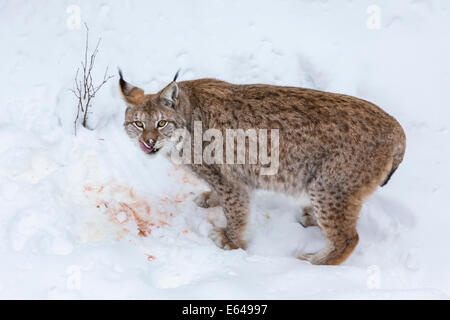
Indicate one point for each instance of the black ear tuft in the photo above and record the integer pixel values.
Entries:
(121, 81)
(176, 75)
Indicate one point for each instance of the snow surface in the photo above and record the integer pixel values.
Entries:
(89, 216)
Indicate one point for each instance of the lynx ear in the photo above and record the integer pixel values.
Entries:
(131, 94)
(169, 95)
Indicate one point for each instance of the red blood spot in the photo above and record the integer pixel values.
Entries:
(135, 208)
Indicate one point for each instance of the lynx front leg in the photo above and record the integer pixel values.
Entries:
(235, 204)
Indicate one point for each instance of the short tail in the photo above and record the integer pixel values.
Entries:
(398, 154)
(388, 177)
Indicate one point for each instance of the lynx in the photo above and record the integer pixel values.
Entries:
(334, 148)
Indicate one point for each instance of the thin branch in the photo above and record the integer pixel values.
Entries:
(84, 89)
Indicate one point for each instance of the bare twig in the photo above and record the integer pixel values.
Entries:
(84, 88)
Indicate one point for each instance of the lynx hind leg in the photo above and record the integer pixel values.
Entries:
(337, 198)
(337, 220)
(207, 199)
(308, 218)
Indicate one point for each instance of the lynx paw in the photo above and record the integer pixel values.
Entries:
(207, 200)
(220, 239)
(307, 219)
(306, 257)
(320, 258)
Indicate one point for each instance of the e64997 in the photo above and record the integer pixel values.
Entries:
(246, 309)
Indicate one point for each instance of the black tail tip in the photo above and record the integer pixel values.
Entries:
(389, 176)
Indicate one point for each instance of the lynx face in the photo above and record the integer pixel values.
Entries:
(151, 119)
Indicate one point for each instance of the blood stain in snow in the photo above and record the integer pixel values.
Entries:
(183, 177)
(123, 206)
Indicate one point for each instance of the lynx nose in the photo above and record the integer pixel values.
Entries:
(151, 142)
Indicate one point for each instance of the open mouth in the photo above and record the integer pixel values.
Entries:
(147, 149)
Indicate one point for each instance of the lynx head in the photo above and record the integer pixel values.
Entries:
(152, 120)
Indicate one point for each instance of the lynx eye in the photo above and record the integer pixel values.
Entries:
(161, 123)
(139, 124)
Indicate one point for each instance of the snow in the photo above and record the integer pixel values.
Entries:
(89, 216)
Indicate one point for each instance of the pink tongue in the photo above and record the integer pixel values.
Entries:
(145, 148)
